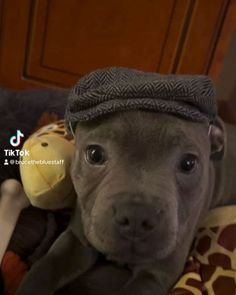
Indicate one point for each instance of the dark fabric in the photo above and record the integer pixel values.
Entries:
(119, 89)
(35, 232)
(30, 231)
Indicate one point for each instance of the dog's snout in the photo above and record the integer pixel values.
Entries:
(135, 220)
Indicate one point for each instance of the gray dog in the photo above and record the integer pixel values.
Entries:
(145, 177)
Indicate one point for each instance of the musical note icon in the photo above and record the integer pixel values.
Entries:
(16, 139)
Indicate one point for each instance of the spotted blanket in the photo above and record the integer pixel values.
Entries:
(211, 268)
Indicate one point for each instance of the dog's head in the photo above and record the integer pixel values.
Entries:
(143, 180)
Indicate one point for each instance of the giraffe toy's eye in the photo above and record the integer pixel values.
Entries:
(44, 144)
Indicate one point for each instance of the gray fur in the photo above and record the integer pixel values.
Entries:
(144, 149)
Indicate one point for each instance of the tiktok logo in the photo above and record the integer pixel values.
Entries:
(16, 139)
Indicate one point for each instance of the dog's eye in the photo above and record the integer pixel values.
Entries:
(95, 155)
(188, 163)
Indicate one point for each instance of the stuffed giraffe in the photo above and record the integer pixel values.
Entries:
(211, 269)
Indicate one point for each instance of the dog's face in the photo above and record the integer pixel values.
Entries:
(142, 181)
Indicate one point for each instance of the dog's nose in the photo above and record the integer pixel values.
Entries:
(135, 220)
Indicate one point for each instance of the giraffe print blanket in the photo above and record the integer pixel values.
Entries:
(211, 267)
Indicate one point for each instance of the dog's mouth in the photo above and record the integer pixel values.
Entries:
(135, 257)
(137, 251)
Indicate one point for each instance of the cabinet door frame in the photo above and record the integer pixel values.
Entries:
(14, 40)
(14, 33)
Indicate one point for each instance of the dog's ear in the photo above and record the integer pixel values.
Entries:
(217, 136)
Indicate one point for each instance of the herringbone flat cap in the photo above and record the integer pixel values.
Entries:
(116, 89)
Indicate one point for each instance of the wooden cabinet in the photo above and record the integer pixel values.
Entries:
(51, 43)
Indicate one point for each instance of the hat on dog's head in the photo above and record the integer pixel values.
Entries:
(118, 89)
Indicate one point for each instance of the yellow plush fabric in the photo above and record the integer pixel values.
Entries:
(211, 269)
(45, 172)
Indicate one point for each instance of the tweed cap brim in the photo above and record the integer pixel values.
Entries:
(112, 90)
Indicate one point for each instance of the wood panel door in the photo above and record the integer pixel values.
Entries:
(55, 42)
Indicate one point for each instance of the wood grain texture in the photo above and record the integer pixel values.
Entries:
(52, 43)
(201, 35)
(14, 30)
(223, 68)
(175, 35)
(224, 40)
(68, 42)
